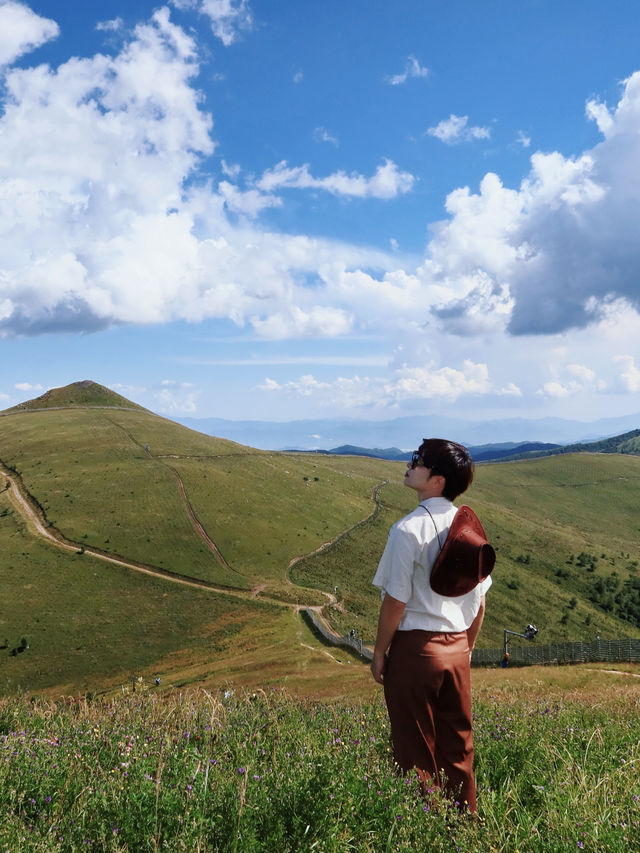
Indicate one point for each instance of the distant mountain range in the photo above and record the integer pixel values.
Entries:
(406, 433)
(484, 453)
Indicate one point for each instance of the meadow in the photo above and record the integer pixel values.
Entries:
(557, 765)
(289, 530)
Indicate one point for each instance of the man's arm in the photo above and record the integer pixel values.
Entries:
(390, 615)
(474, 629)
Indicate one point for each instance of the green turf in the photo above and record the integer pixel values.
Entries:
(289, 526)
(88, 623)
(539, 515)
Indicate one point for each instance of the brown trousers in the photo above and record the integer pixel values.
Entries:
(427, 688)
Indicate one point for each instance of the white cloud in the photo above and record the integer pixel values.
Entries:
(406, 383)
(131, 391)
(332, 360)
(227, 17)
(412, 68)
(176, 397)
(523, 139)
(455, 129)
(510, 390)
(387, 182)
(248, 202)
(304, 387)
(127, 231)
(556, 389)
(581, 373)
(298, 77)
(22, 31)
(630, 374)
(27, 386)
(231, 171)
(598, 112)
(102, 235)
(578, 378)
(318, 322)
(110, 26)
(321, 134)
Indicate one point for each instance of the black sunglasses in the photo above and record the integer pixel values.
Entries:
(416, 459)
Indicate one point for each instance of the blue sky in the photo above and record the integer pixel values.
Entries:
(300, 210)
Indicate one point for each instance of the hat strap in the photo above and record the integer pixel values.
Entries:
(434, 524)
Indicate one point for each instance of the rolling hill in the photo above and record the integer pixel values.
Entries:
(627, 443)
(177, 555)
(79, 394)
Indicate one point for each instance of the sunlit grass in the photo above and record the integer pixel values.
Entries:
(229, 771)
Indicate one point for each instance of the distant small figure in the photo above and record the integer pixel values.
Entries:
(504, 663)
(157, 682)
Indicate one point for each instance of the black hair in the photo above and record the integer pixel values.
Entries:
(452, 461)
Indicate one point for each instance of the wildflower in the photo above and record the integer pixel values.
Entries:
(581, 845)
(47, 799)
(241, 770)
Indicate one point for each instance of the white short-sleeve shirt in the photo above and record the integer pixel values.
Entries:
(405, 567)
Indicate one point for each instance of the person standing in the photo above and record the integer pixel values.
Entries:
(423, 647)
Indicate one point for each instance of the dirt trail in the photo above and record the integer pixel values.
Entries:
(19, 498)
(202, 533)
(33, 520)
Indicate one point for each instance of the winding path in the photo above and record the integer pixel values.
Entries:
(19, 497)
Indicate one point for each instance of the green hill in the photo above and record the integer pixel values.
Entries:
(219, 543)
(83, 394)
(627, 443)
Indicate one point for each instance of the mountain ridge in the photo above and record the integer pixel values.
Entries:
(407, 432)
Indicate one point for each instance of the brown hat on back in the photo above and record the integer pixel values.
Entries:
(466, 557)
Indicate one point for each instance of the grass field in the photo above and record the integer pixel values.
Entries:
(109, 479)
(557, 768)
(540, 515)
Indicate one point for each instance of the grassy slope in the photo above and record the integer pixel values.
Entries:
(268, 509)
(91, 473)
(544, 511)
(89, 623)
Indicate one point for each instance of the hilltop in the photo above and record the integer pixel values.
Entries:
(627, 443)
(158, 551)
(78, 394)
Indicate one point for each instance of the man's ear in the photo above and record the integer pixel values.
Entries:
(441, 480)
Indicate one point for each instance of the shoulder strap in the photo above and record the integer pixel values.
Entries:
(434, 524)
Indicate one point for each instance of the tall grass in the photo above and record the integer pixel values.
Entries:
(263, 772)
